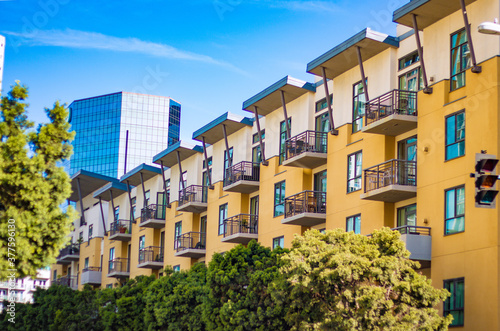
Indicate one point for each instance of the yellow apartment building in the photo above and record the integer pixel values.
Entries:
(396, 131)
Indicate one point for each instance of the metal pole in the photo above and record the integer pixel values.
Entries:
(102, 215)
(475, 68)
(180, 169)
(164, 183)
(229, 158)
(427, 89)
(207, 166)
(143, 190)
(256, 114)
(81, 200)
(329, 104)
(288, 131)
(112, 202)
(132, 216)
(362, 70)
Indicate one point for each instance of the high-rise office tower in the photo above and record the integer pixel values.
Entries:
(2, 54)
(118, 131)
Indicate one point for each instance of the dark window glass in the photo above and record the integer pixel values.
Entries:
(455, 136)
(460, 59)
(222, 217)
(279, 242)
(455, 210)
(177, 233)
(279, 198)
(407, 215)
(283, 137)
(358, 106)
(322, 104)
(353, 223)
(408, 60)
(454, 305)
(354, 169)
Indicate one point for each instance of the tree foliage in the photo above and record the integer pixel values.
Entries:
(32, 185)
(342, 281)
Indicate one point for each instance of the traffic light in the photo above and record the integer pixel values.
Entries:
(486, 178)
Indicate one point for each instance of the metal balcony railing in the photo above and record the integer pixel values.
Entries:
(308, 141)
(242, 223)
(242, 171)
(394, 102)
(305, 202)
(153, 212)
(71, 249)
(120, 226)
(98, 269)
(392, 172)
(190, 240)
(151, 254)
(413, 229)
(193, 193)
(69, 281)
(118, 265)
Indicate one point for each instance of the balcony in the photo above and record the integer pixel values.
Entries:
(242, 177)
(120, 230)
(307, 208)
(240, 229)
(68, 254)
(68, 281)
(391, 181)
(119, 268)
(392, 113)
(151, 257)
(91, 275)
(306, 150)
(191, 244)
(418, 241)
(193, 199)
(153, 216)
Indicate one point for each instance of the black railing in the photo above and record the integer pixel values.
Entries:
(190, 240)
(392, 172)
(71, 249)
(193, 193)
(118, 265)
(394, 102)
(242, 171)
(98, 269)
(242, 223)
(120, 226)
(413, 229)
(305, 202)
(153, 212)
(151, 254)
(69, 281)
(308, 141)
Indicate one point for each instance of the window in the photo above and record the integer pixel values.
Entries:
(147, 195)
(209, 163)
(254, 205)
(412, 81)
(111, 258)
(203, 224)
(255, 136)
(142, 242)
(322, 104)
(54, 277)
(353, 223)
(358, 106)
(454, 305)
(109, 285)
(133, 202)
(162, 242)
(256, 154)
(177, 234)
(184, 180)
(460, 59)
(455, 135)
(279, 198)
(279, 242)
(407, 215)
(454, 210)
(162, 202)
(408, 60)
(80, 237)
(323, 122)
(117, 213)
(228, 162)
(86, 263)
(91, 231)
(283, 137)
(177, 268)
(222, 217)
(354, 162)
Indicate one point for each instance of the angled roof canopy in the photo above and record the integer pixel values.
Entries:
(134, 175)
(169, 156)
(428, 11)
(270, 99)
(116, 189)
(213, 130)
(89, 182)
(343, 57)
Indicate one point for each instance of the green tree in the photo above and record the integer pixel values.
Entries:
(32, 186)
(344, 281)
(238, 296)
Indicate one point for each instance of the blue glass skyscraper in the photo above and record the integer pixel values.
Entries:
(117, 132)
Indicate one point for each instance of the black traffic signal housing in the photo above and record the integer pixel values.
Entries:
(486, 178)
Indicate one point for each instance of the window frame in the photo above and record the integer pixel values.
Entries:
(446, 310)
(415, 58)
(283, 136)
(279, 240)
(355, 98)
(446, 220)
(177, 233)
(222, 216)
(360, 152)
(458, 47)
(353, 218)
(405, 210)
(281, 185)
(456, 142)
(322, 102)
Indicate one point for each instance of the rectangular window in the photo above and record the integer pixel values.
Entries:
(117, 213)
(203, 224)
(407, 215)
(228, 161)
(256, 154)
(279, 198)
(86, 263)
(109, 285)
(454, 210)
(111, 258)
(279, 242)
(209, 163)
(454, 305)
(255, 136)
(142, 242)
(147, 195)
(91, 231)
(408, 60)
(358, 106)
(254, 205)
(322, 104)
(323, 122)
(353, 223)
(411, 81)
(354, 169)
(80, 237)
(54, 275)
(177, 268)
(184, 180)
(177, 233)
(455, 135)
(460, 59)
(283, 137)
(222, 217)
(133, 202)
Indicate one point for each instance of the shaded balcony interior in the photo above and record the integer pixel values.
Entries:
(391, 181)
(119, 268)
(191, 244)
(392, 113)
(153, 216)
(68, 281)
(307, 208)
(243, 177)
(151, 257)
(240, 229)
(91, 276)
(193, 199)
(68, 254)
(306, 150)
(120, 230)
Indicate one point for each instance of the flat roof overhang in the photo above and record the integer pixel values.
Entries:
(117, 189)
(89, 182)
(213, 130)
(169, 156)
(344, 57)
(428, 11)
(270, 99)
(134, 175)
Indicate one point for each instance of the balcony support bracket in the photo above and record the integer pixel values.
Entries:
(164, 183)
(259, 133)
(81, 200)
(132, 216)
(209, 173)
(333, 131)
(181, 181)
(102, 216)
(283, 103)
(427, 89)
(362, 71)
(475, 68)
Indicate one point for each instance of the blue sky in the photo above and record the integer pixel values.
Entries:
(210, 55)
